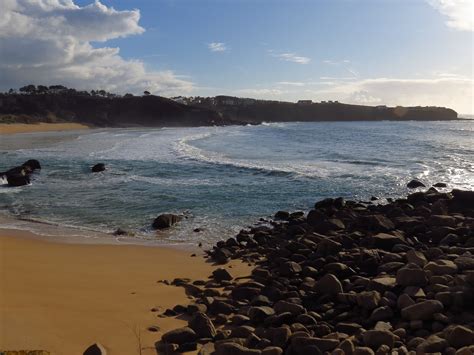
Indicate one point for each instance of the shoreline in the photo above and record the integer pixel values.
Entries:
(14, 128)
(64, 297)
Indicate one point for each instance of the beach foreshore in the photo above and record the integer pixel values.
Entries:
(64, 297)
(7, 128)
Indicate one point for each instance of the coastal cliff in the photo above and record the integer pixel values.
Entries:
(109, 110)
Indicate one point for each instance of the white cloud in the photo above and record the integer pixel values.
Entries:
(460, 13)
(291, 83)
(455, 92)
(49, 42)
(217, 47)
(291, 57)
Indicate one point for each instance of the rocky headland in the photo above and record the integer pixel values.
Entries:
(345, 278)
(58, 104)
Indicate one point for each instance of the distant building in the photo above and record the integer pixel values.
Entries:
(305, 102)
(180, 100)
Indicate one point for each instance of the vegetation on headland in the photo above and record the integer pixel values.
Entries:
(57, 103)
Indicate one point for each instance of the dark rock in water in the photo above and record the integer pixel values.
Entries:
(440, 184)
(166, 220)
(33, 164)
(98, 168)
(414, 184)
(18, 180)
(121, 231)
(95, 349)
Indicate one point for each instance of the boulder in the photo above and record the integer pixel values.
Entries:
(95, 349)
(413, 184)
(412, 275)
(229, 348)
(424, 310)
(221, 275)
(179, 336)
(432, 344)
(329, 285)
(202, 325)
(98, 168)
(460, 336)
(416, 257)
(18, 179)
(166, 220)
(441, 267)
(387, 241)
(375, 338)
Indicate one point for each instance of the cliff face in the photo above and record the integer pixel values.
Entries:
(101, 111)
(158, 111)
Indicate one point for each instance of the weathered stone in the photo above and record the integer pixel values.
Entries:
(432, 344)
(179, 336)
(441, 267)
(221, 275)
(413, 184)
(290, 268)
(283, 306)
(166, 220)
(258, 314)
(460, 336)
(411, 276)
(422, 310)
(272, 350)
(375, 338)
(202, 325)
(234, 349)
(95, 349)
(387, 241)
(329, 284)
(368, 299)
(416, 257)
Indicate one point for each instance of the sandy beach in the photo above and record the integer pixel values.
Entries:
(64, 297)
(39, 127)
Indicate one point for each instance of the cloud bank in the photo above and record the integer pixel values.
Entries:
(460, 13)
(452, 91)
(50, 42)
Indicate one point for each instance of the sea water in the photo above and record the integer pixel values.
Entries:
(223, 179)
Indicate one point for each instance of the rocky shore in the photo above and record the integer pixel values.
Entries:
(345, 278)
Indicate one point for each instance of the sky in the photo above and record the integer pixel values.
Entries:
(374, 52)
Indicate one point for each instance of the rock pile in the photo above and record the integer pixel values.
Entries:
(347, 278)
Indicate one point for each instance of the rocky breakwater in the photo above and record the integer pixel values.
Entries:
(346, 278)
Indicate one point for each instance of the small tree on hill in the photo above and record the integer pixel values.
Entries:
(28, 89)
(146, 93)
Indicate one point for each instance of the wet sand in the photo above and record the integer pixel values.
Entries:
(39, 127)
(64, 297)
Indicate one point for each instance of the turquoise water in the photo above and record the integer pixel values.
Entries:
(225, 178)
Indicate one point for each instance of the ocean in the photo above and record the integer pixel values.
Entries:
(222, 179)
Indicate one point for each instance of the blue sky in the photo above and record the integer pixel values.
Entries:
(368, 51)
